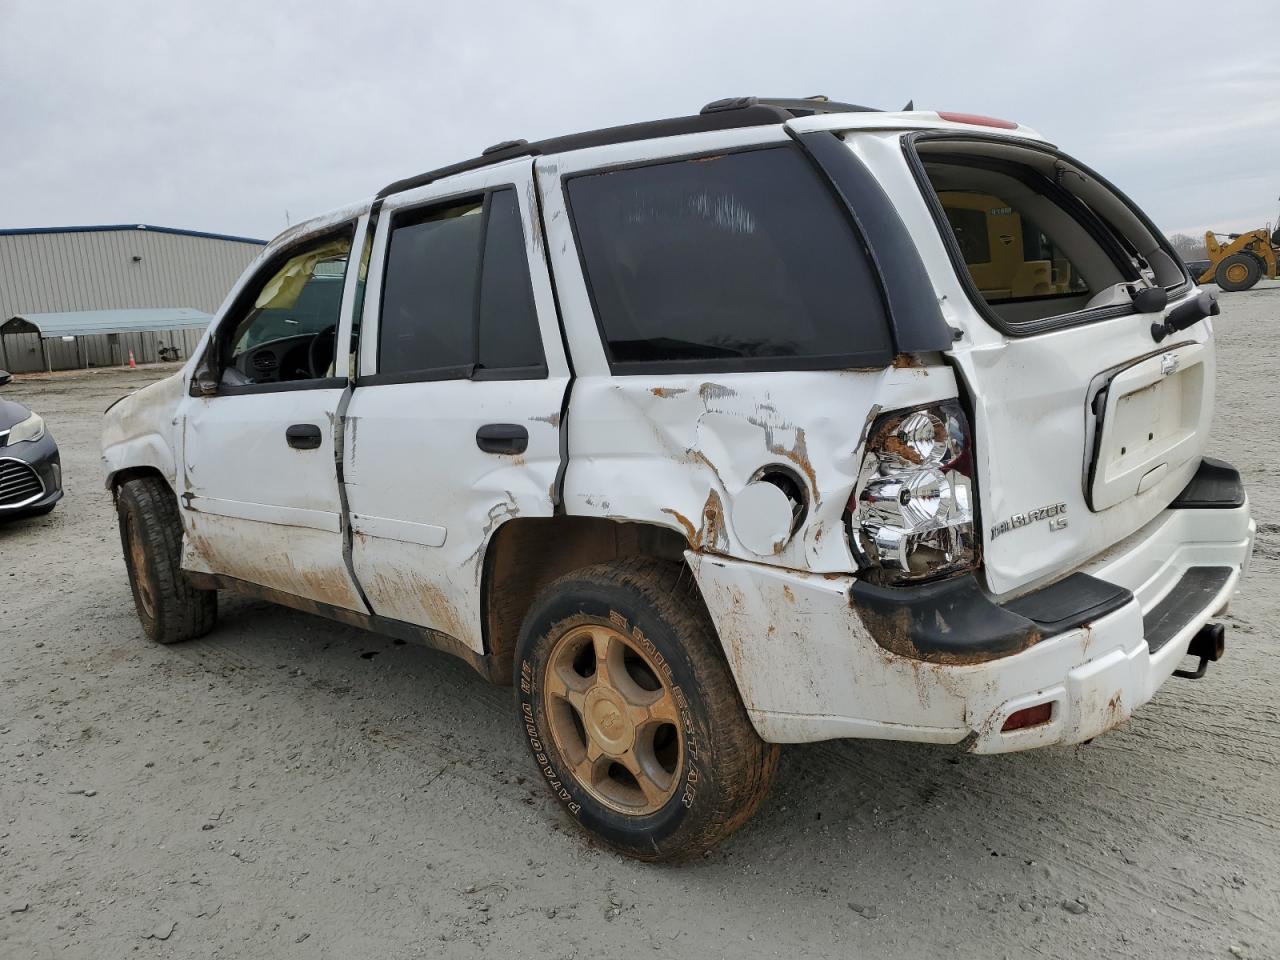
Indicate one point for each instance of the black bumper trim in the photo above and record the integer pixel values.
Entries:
(1189, 597)
(957, 622)
(1071, 602)
(1216, 486)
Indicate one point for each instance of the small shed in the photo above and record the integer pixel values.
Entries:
(99, 338)
(132, 268)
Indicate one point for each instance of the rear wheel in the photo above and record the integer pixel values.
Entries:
(632, 714)
(1240, 271)
(170, 608)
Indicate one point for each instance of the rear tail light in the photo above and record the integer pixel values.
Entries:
(911, 514)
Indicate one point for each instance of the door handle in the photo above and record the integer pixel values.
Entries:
(303, 436)
(502, 438)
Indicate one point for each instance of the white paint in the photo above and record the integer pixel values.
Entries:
(140, 430)
(239, 465)
(1153, 420)
(326, 520)
(424, 534)
(808, 670)
(410, 455)
(681, 451)
(272, 500)
(762, 518)
(1032, 427)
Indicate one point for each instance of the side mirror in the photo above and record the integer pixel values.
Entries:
(204, 378)
(203, 386)
(5, 377)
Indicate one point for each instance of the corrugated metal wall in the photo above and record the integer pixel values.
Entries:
(57, 272)
(20, 352)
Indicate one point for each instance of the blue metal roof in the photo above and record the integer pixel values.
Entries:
(85, 323)
(112, 227)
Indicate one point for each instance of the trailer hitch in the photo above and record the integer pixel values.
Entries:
(1208, 644)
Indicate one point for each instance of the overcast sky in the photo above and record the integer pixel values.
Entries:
(223, 116)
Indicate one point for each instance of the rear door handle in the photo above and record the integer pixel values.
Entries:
(303, 436)
(502, 438)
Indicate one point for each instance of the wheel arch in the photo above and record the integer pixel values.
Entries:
(118, 478)
(527, 553)
(149, 453)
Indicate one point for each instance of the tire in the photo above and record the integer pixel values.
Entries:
(695, 770)
(170, 608)
(1240, 271)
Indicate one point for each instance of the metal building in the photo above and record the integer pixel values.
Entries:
(59, 270)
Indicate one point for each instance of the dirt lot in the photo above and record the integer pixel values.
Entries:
(287, 787)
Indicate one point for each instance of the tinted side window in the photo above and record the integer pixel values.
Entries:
(740, 261)
(508, 336)
(429, 289)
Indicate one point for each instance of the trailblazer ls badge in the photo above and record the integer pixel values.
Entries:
(1056, 514)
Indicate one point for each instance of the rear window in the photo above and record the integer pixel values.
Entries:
(739, 261)
(456, 296)
(1040, 241)
(509, 337)
(428, 295)
(1008, 254)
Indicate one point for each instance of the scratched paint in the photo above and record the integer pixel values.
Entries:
(679, 452)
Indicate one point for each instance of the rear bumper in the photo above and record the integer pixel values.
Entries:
(812, 666)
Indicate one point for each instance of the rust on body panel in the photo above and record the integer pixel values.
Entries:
(711, 534)
(691, 535)
(893, 628)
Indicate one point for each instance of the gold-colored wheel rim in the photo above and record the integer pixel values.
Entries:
(614, 719)
(1237, 272)
(138, 561)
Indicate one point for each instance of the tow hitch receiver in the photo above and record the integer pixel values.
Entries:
(1208, 644)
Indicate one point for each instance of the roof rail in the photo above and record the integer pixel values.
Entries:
(719, 115)
(726, 118)
(805, 107)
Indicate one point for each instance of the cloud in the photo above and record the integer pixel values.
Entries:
(223, 117)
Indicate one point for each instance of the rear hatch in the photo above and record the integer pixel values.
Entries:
(1085, 427)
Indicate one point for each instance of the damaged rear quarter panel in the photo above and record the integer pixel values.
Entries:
(678, 450)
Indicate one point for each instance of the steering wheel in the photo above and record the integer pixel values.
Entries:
(321, 344)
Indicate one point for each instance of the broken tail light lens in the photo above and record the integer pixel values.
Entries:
(912, 515)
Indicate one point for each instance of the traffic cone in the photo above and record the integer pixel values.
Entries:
(132, 365)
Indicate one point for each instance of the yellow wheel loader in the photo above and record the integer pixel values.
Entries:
(1238, 263)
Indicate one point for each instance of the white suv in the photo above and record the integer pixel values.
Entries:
(788, 421)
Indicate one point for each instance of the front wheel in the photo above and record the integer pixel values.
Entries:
(1240, 271)
(632, 714)
(170, 608)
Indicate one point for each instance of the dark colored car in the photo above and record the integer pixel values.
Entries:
(1197, 268)
(30, 467)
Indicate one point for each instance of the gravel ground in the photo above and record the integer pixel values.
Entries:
(287, 787)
